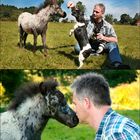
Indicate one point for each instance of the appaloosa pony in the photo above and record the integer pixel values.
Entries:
(37, 23)
(31, 109)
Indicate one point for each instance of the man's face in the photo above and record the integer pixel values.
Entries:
(79, 109)
(97, 13)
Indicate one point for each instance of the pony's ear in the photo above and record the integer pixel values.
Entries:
(42, 88)
(54, 1)
(47, 86)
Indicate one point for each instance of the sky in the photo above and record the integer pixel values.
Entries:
(114, 7)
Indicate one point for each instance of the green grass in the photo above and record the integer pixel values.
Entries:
(60, 52)
(56, 131)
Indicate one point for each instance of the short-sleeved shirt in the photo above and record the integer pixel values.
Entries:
(107, 29)
(117, 127)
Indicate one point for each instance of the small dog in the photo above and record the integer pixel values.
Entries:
(80, 33)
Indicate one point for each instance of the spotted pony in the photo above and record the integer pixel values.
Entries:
(37, 23)
(34, 104)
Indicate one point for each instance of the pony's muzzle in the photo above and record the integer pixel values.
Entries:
(74, 120)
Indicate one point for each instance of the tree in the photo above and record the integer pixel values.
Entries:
(125, 19)
(115, 20)
(80, 6)
(11, 80)
(136, 18)
(109, 18)
(60, 2)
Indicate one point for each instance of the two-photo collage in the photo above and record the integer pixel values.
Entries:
(69, 70)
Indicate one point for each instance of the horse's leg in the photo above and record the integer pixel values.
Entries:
(35, 42)
(21, 36)
(43, 35)
(24, 38)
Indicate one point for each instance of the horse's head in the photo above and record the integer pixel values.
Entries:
(57, 9)
(57, 106)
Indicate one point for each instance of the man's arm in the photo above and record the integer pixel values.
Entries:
(106, 39)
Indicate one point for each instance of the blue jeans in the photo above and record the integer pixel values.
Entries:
(111, 48)
(113, 52)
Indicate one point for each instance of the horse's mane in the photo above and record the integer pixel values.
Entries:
(43, 5)
(29, 90)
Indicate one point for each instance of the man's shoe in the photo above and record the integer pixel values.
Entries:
(118, 65)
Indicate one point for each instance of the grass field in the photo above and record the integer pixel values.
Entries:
(57, 131)
(60, 52)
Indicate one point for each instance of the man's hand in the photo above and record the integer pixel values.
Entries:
(70, 4)
(100, 36)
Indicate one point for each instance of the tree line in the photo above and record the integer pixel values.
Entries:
(12, 79)
(11, 13)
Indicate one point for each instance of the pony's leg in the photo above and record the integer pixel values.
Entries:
(24, 38)
(21, 36)
(35, 42)
(43, 35)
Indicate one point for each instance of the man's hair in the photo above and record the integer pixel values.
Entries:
(94, 86)
(102, 6)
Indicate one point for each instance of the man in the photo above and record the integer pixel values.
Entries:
(91, 98)
(102, 37)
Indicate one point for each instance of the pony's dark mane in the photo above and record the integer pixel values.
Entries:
(43, 5)
(29, 90)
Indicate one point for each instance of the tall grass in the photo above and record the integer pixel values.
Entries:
(61, 53)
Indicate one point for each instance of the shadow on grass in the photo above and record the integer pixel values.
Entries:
(31, 48)
(132, 63)
(72, 56)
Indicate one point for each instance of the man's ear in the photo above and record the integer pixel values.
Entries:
(87, 103)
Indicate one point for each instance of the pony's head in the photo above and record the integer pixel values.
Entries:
(57, 106)
(57, 9)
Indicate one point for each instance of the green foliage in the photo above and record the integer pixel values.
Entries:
(109, 18)
(114, 77)
(8, 12)
(120, 76)
(125, 19)
(11, 80)
(56, 131)
(80, 6)
(136, 18)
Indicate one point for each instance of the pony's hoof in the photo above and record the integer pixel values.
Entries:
(45, 54)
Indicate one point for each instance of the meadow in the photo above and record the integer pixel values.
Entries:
(57, 131)
(61, 53)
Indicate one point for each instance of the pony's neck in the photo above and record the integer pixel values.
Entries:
(45, 13)
(32, 114)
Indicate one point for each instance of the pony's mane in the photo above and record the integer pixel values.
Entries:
(43, 5)
(29, 90)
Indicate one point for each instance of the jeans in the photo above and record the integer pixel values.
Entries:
(113, 52)
(111, 48)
